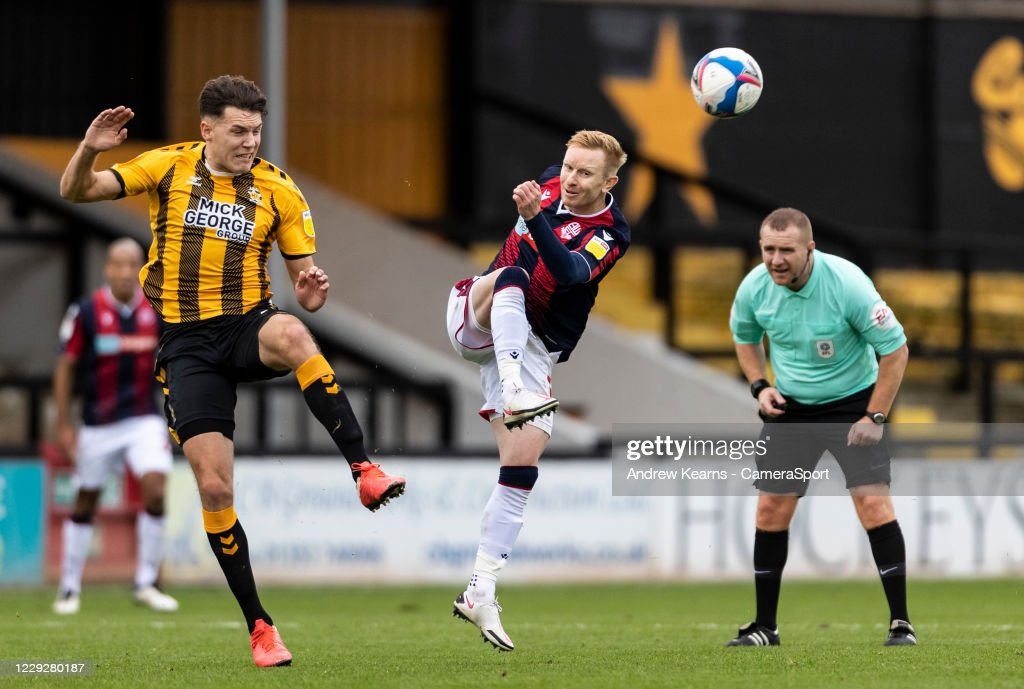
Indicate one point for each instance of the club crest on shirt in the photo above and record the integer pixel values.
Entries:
(826, 348)
(569, 230)
(255, 196)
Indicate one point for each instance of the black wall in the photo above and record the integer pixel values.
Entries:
(63, 62)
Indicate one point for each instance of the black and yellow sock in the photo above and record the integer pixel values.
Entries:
(771, 550)
(227, 539)
(331, 407)
(890, 553)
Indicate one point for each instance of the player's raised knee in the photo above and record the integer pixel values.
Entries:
(512, 276)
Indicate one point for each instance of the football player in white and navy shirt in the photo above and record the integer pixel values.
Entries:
(523, 315)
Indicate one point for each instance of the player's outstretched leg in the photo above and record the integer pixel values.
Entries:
(331, 407)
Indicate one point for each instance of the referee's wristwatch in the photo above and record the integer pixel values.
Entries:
(758, 386)
(876, 416)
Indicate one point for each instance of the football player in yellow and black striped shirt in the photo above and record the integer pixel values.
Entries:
(216, 210)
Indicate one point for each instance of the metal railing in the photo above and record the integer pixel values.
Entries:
(385, 402)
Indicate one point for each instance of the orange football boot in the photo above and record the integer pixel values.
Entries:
(375, 487)
(267, 648)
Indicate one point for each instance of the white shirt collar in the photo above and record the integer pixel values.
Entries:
(562, 209)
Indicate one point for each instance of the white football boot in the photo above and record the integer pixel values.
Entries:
(484, 614)
(155, 599)
(521, 405)
(67, 603)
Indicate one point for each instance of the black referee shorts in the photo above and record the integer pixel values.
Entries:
(200, 366)
(798, 439)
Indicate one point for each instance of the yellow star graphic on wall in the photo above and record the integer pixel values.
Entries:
(669, 128)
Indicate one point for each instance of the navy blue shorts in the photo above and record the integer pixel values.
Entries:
(200, 365)
(805, 432)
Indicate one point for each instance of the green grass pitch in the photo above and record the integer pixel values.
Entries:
(589, 635)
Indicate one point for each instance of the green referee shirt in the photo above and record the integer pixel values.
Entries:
(823, 338)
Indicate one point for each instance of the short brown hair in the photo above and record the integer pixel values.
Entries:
(781, 218)
(614, 156)
(231, 90)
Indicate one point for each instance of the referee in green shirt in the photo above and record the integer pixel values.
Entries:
(838, 355)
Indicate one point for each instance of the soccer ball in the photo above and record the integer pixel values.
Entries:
(726, 82)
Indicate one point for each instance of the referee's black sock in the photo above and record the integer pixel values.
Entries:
(890, 553)
(229, 544)
(771, 548)
(331, 407)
